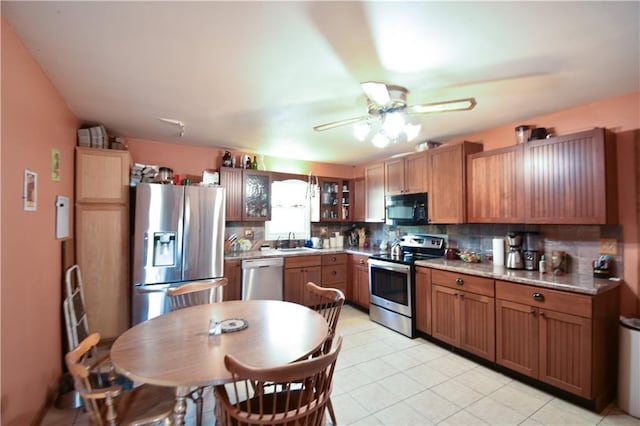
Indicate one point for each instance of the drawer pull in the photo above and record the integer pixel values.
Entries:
(533, 312)
(459, 281)
(333, 272)
(333, 259)
(542, 314)
(538, 296)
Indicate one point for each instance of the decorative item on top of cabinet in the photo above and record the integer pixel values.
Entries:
(564, 339)
(256, 195)
(346, 200)
(374, 189)
(102, 232)
(406, 175)
(463, 312)
(495, 186)
(571, 179)
(447, 171)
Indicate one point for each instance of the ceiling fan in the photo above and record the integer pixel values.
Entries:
(384, 99)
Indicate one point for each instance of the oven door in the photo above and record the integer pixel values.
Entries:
(390, 286)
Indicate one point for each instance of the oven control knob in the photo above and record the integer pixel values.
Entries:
(459, 281)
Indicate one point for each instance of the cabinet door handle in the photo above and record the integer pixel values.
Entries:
(333, 272)
(538, 296)
(533, 312)
(542, 314)
(459, 281)
(333, 259)
(361, 261)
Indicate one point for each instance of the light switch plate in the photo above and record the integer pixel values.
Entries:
(608, 246)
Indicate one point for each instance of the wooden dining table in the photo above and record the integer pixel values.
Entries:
(176, 349)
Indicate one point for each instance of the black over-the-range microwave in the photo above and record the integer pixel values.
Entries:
(407, 209)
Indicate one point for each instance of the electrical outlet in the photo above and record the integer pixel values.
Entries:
(608, 246)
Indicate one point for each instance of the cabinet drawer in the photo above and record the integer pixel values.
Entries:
(334, 274)
(470, 283)
(360, 259)
(301, 261)
(544, 298)
(334, 259)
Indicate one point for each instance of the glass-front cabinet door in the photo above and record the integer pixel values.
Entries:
(330, 199)
(256, 196)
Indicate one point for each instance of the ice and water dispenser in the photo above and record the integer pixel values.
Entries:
(164, 248)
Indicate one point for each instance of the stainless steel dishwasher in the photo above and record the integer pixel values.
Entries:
(262, 279)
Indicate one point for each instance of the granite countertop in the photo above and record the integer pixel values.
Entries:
(569, 282)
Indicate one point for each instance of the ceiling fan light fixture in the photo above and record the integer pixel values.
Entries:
(380, 140)
(376, 91)
(411, 131)
(393, 124)
(361, 130)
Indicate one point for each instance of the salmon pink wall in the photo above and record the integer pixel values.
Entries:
(35, 119)
(192, 160)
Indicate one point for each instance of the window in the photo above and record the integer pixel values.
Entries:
(290, 211)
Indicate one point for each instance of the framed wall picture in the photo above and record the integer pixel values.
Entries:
(55, 165)
(30, 195)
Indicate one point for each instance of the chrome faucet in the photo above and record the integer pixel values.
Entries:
(289, 238)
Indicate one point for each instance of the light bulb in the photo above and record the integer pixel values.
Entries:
(393, 124)
(380, 140)
(411, 130)
(361, 130)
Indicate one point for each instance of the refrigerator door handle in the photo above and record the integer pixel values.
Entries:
(155, 288)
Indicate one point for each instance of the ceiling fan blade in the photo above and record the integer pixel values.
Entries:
(377, 92)
(455, 105)
(331, 125)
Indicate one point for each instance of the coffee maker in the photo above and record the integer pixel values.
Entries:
(514, 255)
(531, 250)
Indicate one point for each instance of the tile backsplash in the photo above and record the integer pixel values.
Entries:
(579, 242)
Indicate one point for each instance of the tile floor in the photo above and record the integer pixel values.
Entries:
(383, 378)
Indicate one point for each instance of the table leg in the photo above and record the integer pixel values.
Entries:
(181, 405)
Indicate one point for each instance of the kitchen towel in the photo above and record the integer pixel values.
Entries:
(498, 251)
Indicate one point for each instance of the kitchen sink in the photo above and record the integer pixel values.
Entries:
(294, 249)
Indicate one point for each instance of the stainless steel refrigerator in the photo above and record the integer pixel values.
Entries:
(178, 236)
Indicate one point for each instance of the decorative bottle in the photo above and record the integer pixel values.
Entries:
(254, 164)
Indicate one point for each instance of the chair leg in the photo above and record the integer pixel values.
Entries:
(196, 396)
(331, 413)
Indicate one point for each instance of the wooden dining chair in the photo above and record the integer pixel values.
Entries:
(299, 398)
(110, 404)
(327, 302)
(193, 294)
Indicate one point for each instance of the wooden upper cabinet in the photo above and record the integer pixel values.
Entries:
(374, 189)
(495, 186)
(256, 195)
(571, 179)
(358, 200)
(231, 180)
(394, 176)
(406, 175)
(102, 175)
(447, 184)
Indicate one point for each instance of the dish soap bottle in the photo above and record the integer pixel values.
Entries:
(542, 265)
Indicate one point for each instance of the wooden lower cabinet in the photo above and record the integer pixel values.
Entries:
(298, 270)
(334, 271)
(102, 251)
(423, 299)
(463, 312)
(564, 339)
(233, 272)
(358, 290)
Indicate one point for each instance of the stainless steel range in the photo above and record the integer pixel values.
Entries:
(392, 281)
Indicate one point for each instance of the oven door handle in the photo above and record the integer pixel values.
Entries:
(389, 266)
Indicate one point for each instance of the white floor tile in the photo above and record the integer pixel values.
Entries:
(402, 385)
(456, 392)
(401, 414)
(426, 375)
(559, 412)
(462, 418)
(495, 413)
(432, 406)
(520, 399)
(373, 397)
(347, 409)
(483, 380)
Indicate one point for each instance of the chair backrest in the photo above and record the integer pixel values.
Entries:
(300, 396)
(81, 371)
(196, 293)
(75, 313)
(327, 302)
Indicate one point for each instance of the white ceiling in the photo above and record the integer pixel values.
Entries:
(257, 76)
